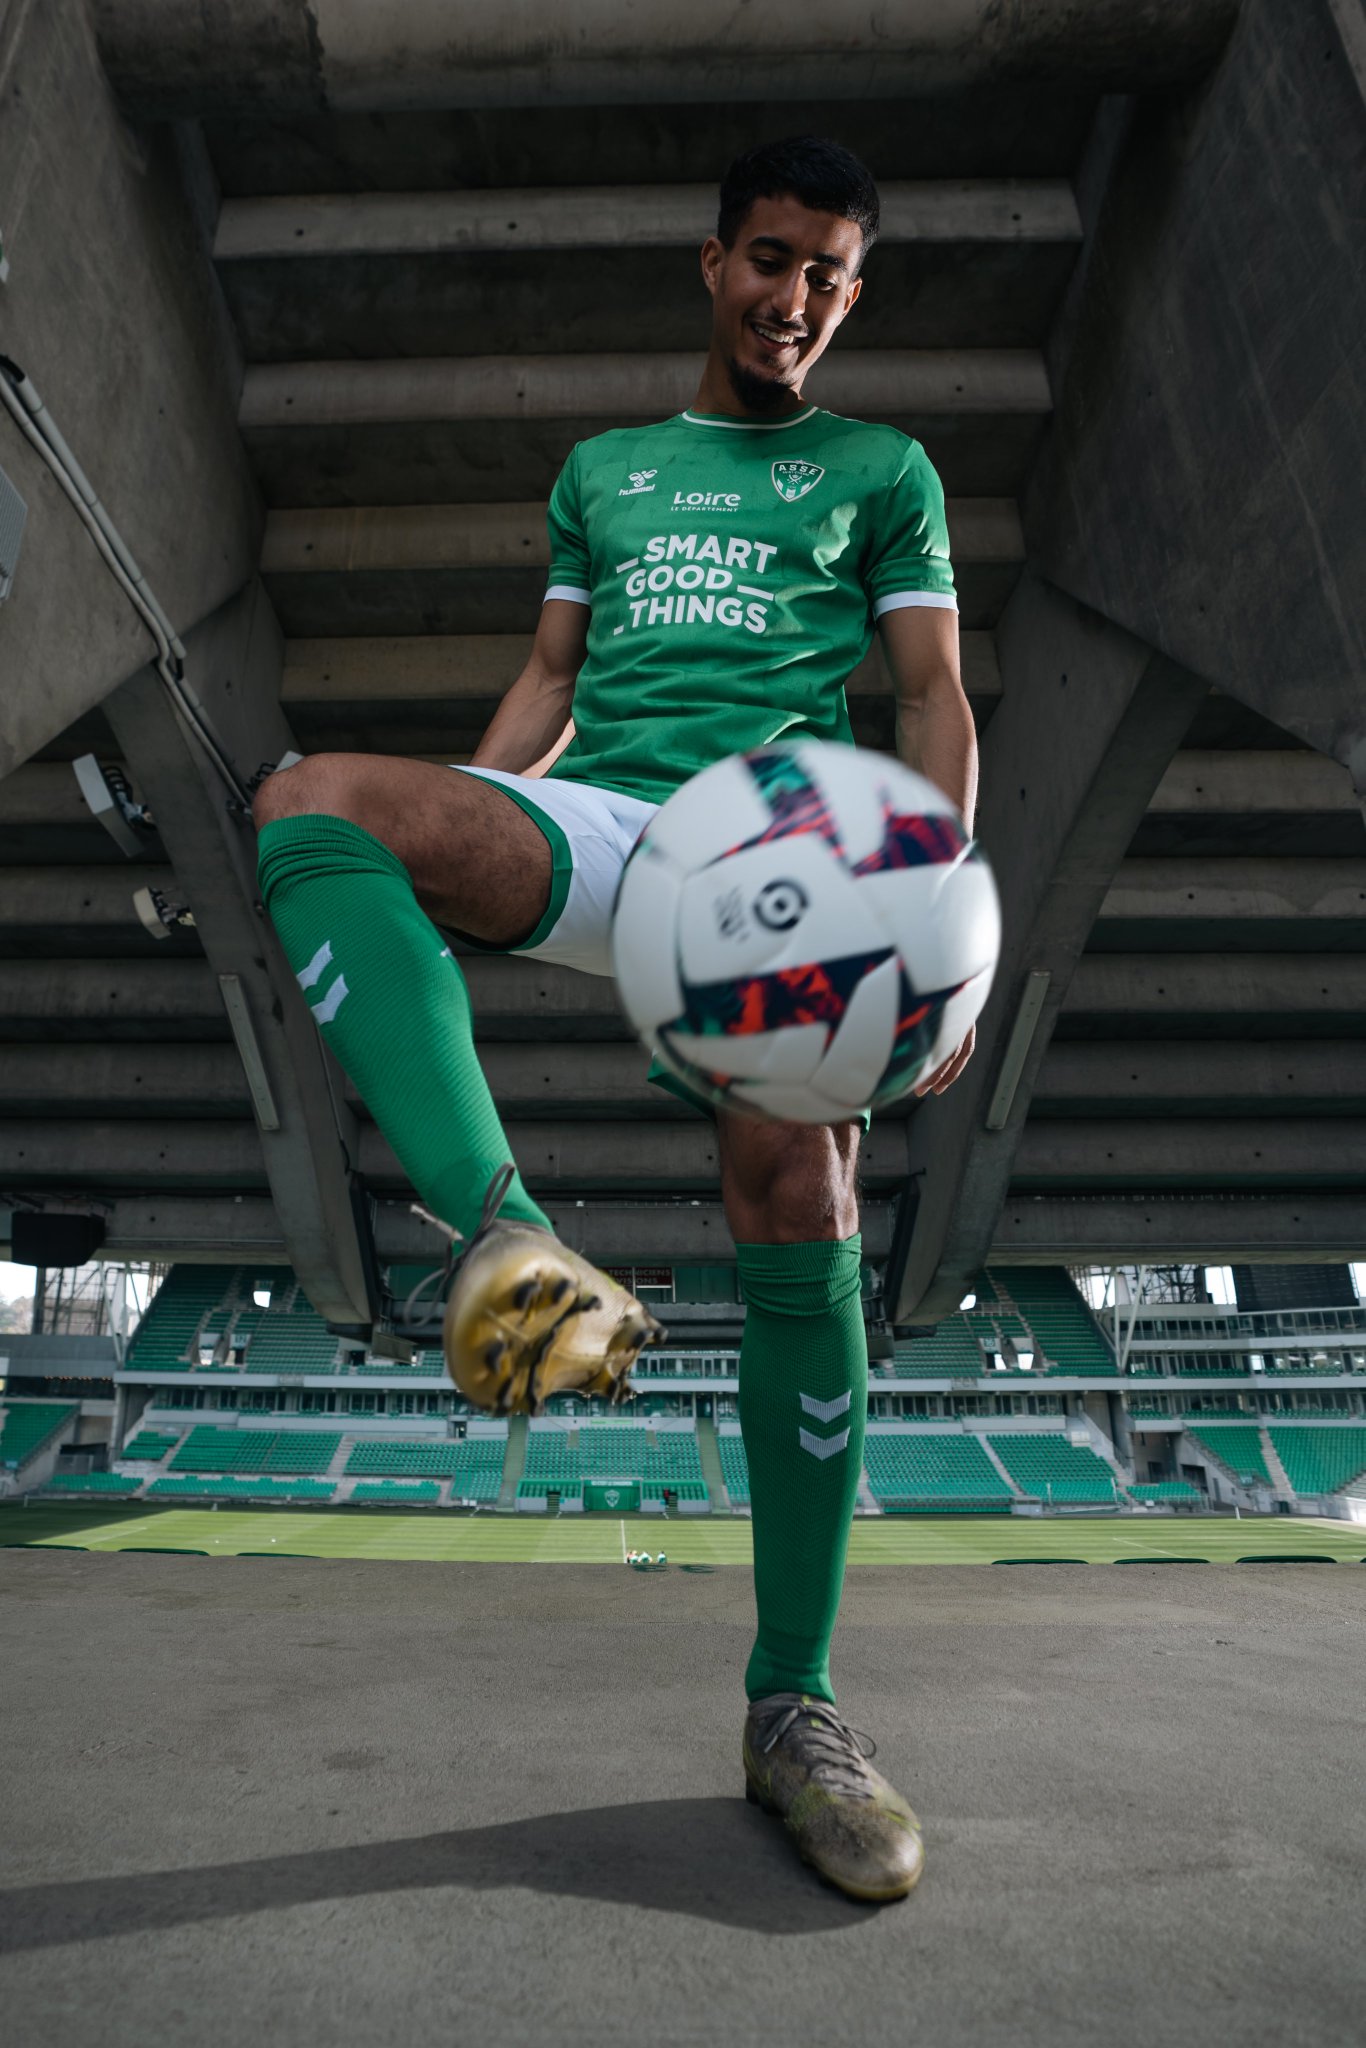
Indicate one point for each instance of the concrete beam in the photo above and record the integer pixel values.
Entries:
(567, 1160)
(574, 1159)
(1055, 1229)
(305, 1138)
(51, 913)
(481, 568)
(123, 322)
(367, 224)
(1254, 780)
(1155, 1077)
(1276, 903)
(1217, 1152)
(1264, 992)
(577, 1083)
(224, 1229)
(429, 669)
(1088, 722)
(1206, 378)
(64, 1000)
(371, 539)
(270, 56)
(410, 391)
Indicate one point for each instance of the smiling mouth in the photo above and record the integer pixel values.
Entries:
(777, 339)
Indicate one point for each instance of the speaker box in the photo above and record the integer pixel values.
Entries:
(40, 1239)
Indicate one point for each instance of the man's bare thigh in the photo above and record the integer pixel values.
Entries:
(479, 864)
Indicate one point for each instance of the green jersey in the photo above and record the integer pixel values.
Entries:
(734, 569)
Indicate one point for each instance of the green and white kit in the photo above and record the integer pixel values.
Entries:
(734, 570)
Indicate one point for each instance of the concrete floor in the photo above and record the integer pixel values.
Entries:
(265, 1801)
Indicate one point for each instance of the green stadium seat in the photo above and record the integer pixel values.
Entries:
(1320, 1461)
(734, 1466)
(1065, 1333)
(1238, 1447)
(397, 1492)
(1047, 1467)
(932, 1471)
(150, 1446)
(106, 1483)
(29, 1427)
(1159, 1490)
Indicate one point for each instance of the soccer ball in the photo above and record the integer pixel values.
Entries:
(805, 931)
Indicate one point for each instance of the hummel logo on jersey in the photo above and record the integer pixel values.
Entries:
(792, 480)
(640, 481)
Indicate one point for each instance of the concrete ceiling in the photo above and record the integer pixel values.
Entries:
(431, 308)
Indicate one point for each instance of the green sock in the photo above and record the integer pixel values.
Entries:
(393, 1006)
(803, 1385)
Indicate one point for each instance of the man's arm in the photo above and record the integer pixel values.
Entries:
(935, 734)
(534, 723)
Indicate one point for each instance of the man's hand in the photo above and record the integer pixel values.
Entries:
(944, 1076)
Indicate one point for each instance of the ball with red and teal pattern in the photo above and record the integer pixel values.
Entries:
(805, 932)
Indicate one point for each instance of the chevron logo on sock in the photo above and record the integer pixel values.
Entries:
(326, 1010)
(313, 973)
(823, 1446)
(823, 1411)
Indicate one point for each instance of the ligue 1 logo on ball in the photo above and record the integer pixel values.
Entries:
(792, 480)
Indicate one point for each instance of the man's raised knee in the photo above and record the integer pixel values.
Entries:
(312, 786)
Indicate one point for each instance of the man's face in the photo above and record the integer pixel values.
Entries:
(778, 295)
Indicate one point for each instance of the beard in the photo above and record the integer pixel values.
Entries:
(758, 393)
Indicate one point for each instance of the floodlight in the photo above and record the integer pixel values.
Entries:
(158, 916)
(261, 1296)
(968, 1301)
(110, 800)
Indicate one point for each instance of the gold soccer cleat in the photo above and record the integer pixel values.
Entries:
(803, 1763)
(528, 1318)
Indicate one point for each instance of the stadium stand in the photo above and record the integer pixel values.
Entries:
(29, 1428)
(1238, 1447)
(290, 1341)
(151, 1445)
(1320, 1461)
(932, 1473)
(474, 1466)
(115, 1483)
(734, 1466)
(658, 1461)
(1048, 1467)
(221, 1486)
(1059, 1319)
(162, 1340)
(397, 1492)
(952, 1352)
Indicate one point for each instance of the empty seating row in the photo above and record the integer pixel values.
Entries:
(918, 1470)
(209, 1449)
(734, 1466)
(1320, 1460)
(151, 1445)
(1237, 1446)
(92, 1482)
(29, 1427)
(1159, 1490)
(397, 1492)
(1059, 1319)
(222, 1486)
(474, 1466)
(1046, 1466)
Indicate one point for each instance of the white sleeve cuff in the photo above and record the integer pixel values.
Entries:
(570, 592)
(902, 600)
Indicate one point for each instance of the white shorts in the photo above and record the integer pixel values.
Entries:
(591, 834)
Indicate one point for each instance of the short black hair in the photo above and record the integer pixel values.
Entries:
(821, 174)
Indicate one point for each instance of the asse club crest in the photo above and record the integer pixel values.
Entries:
(792, 480)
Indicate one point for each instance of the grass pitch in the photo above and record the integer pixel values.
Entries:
(602, 1539)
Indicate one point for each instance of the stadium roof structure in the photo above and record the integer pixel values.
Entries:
(320, 322)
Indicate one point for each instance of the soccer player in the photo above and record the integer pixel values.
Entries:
(713, 581)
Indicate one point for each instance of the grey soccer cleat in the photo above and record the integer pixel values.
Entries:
(803, 1763)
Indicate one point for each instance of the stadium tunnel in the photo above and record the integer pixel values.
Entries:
(347, 295)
